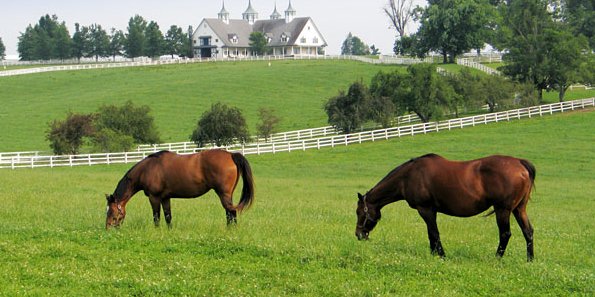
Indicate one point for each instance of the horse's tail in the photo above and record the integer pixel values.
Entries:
(532, 173)
(248, 181)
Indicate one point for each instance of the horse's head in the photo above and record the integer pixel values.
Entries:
(367, 217)
(116, 212)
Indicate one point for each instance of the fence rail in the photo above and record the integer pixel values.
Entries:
(145, 62)
(304, 144)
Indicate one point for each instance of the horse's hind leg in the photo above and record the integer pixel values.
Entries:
(429, 216)
(155, 204)
(503, 221)
(520, 214)
(230, 210)
(165, 203)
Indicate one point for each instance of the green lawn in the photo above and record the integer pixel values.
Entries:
(177, 95)
(298, 239)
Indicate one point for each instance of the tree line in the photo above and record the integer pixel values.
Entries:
(548, 44)
(425, 92)
(50, 39)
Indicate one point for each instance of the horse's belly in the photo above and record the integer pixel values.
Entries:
(463, 209)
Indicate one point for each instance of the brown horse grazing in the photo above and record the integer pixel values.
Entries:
(433, 184)
(166, 175)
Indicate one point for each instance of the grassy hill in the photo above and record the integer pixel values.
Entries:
(177, 94)
(298, 239)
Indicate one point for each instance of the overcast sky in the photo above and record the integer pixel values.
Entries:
(334, 18)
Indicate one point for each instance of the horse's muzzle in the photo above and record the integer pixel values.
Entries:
(362, 235)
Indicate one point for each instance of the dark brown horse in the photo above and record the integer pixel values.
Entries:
(433, 184)
(166, 175)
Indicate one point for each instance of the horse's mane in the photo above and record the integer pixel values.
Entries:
(398, 168)
(123, 183)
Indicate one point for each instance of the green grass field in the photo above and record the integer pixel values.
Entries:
(298, 239)
(177, 95)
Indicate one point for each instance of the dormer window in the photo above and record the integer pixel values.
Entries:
(284, 37)
(233, 38)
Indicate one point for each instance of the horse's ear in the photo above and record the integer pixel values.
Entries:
(107, 197)
(360, 196)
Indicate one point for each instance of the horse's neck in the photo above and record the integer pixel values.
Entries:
(125, 189)
(385, 193)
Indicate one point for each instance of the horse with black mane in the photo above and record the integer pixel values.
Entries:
(432, 184)
(164, 175)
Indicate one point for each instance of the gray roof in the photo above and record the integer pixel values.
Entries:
(271, 28)
(241, 28)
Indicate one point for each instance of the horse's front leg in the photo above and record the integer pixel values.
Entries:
(503, 221)
(155, 204)
(429, 216)
(165, 203)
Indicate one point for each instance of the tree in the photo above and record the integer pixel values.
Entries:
(128, 119)
(390, 86)
(81, 43)
(453, 27)
(155, 42)
(135, 38)
(221, 125)
(523, 35)
(268, 122)
(374, 51)
(579, 15)
(99, 42)
(428, 94)
(399, 13)
(2, 50)
(175, 41)
(354, 46)
(188, 46)
(116, 43)
(258, 44)
(565, 59)
(48, 39)
(348, 111)
(66, 137)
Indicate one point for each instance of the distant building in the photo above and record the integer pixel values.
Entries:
(226, 37)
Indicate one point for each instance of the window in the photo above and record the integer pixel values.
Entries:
(284, 37)
(303, 40)
(315, 40)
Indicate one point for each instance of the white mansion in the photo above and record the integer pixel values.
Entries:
(226, 37)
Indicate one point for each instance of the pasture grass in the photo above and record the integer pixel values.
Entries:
(298, 239)
(177, 95)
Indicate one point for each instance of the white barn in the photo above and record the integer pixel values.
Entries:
(226, 37)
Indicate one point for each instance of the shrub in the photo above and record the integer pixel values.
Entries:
(66, 137)
(268, 122)
(129, 119)
(221, 125)
(108, 140)
(348, 111)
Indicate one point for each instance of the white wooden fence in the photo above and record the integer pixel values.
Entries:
(304, 144)
(382, 60)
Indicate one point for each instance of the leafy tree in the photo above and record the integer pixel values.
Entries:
(259, 44)
(354, 46)
(268, 124)
(128, 119)
(429, 94)
(66, 137)
(221, 125)
(117, 40)
(565, 59)
(2, 50)
(391, 86)
(188, 46)
(580, 16)
(107, 140)
(399, 13)
(348, 111)
(381, 110)
(99, 42)
(453, 27)
(135, 38)
(155, 42)
(81, 43)
(48, 39)
(175, 41)
(374, 51)
(523, 35)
